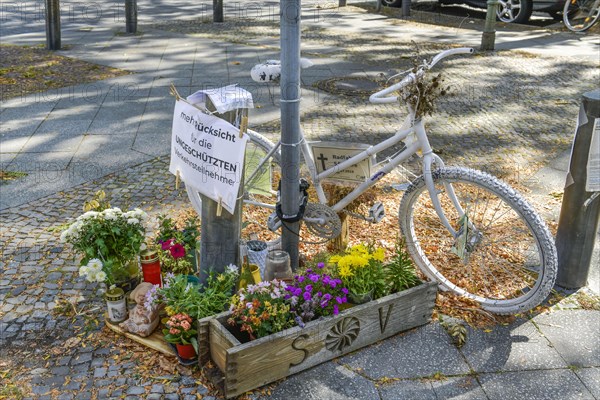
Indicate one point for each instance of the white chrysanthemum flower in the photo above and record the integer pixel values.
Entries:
(140, 214)
(231, 269)
(110, 217)
(101, 276)
(90, 277)
(95, 265)
(133, 221)
(83, 270)
(63, 236)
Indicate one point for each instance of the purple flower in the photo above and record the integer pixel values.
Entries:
(327, 296)
(319, 294)
(336, 310)
(324, 303)
(344, 299)
(307, 296)
(299, 322)
(301, 279)
(333, 283)
(297, 291)
(308, 288)
(339, 300)
(309, 271)
(326, 279)
(314, 277)
(321, 265)
(287, 296)
(344, 290)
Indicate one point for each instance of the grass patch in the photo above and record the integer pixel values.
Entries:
(7, 176)
(25, 70)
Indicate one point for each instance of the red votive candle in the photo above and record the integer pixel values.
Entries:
(151, 266)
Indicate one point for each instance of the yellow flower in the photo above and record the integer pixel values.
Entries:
(379, 254)
(345, 271)
(170, 311)
(334, 259)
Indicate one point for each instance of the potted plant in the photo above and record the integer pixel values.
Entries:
(180, 332)
(200, 302)
(315, 294)
(361, 270)
(109, 241)
(260, 310)
(177, 246)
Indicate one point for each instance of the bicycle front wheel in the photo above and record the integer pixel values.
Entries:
(504, 256)
(581, 15)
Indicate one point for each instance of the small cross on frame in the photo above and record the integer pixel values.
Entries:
(322, 158)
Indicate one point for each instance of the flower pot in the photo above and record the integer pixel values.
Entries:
(360, 298)
(186, 351)
(246, 366)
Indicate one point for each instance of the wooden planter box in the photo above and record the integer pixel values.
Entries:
(203, 334)
(246, 366)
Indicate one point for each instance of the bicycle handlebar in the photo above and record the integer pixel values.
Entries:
(379, 98)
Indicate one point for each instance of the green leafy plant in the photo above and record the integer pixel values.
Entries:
(198, 301)
(400, 273)
(108, 241)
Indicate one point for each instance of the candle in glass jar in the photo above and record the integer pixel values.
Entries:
(151, 267)
(278, 265)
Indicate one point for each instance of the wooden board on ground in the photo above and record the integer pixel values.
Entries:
(156, 341)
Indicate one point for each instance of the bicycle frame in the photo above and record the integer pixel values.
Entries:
(418, 142)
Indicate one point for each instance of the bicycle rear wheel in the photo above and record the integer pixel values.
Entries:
(581, 15)
(508, 261)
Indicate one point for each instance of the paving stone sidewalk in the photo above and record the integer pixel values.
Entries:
(516, 109)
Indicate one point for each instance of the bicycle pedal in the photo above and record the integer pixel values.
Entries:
(377, 212)
(273, 222)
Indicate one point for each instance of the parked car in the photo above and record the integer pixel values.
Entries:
(517, 11)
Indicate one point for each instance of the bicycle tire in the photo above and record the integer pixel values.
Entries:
(523, 271)
(580, 15)
(257, 146)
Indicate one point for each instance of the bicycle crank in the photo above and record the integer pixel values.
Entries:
(322, 221)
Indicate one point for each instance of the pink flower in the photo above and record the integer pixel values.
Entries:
(185, 325)
(166, 245)
(177, 250)
(174, 331)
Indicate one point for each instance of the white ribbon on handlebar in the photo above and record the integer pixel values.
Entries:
(378, 98)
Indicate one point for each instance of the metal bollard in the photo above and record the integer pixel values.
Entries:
(53, 24)
(580, 211)
(406, 8)
(131, 16)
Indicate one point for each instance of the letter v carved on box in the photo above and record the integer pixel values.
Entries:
(383, 323)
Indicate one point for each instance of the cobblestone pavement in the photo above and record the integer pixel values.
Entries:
(510, 111)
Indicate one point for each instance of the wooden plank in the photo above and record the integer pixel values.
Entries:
(253, 364)
(203, 338)
(156, 341)
(220, 341)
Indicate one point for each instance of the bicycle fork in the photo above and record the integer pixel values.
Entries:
(467, 237)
